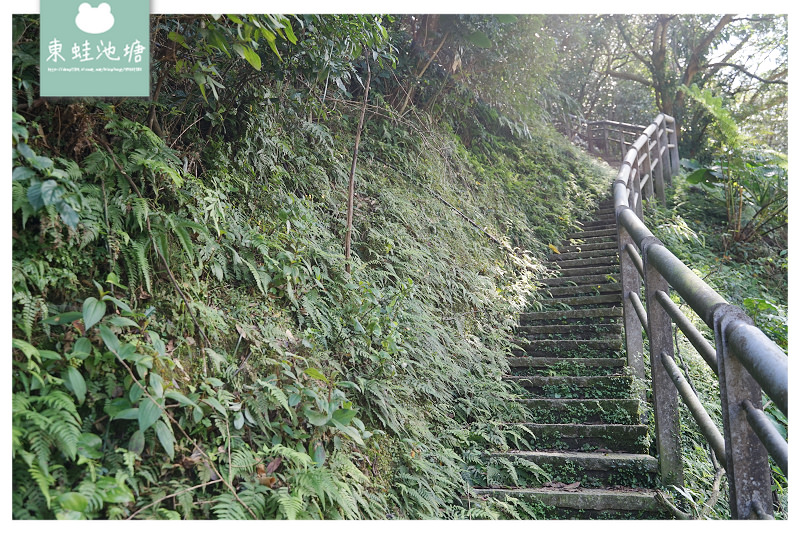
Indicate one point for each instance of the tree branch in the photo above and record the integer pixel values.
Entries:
(630, 77)
(744, 71)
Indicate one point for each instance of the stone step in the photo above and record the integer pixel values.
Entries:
(597, 225)
(569, 248)
(574, 366)
(583, 262)
(566, 256)
(611, 232)
(573, 314)
(613, 299)
(576, 290)
(587, 503)
(609, 386)
(582, 411)
(571, 281)
(592, 468)
(605, 220)
(567, 331)
(567, 348)
(604, 270)
(624, 438)
(592, 240)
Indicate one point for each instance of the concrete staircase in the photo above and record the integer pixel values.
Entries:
(586, 425)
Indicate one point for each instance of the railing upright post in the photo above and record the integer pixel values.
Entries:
(606, 151)
(665, 396)
(637, 189)
(648, 170)
(658, 175)
(631, 283)
(672, 139)
(748, 463)
(621, 143)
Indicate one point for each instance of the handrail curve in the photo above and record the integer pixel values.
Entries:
(747, 361)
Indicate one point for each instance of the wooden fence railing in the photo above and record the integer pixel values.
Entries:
(744, 359)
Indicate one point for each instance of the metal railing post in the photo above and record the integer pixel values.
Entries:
(746, 458)
(665, 396)
(658, 173)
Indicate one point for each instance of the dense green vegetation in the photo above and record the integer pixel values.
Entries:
(187, 340)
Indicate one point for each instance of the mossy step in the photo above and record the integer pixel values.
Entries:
(574, 366)
(587, 503)
(591, 299)
(572, 281)
(595, 270)
(528, 318)
(572, 346)
(597, 225)
(583, 262)
(592, 469)
(589, 437)
(605, 220)
(566, 256)
(592, 240)
(576, 290)
(609, 386)
(569, 248)
(582, 411)
(592, 233)
(562, 331)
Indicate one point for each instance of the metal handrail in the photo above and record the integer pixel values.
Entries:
(744, 359)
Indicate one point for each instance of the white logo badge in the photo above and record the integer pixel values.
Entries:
(94, 20)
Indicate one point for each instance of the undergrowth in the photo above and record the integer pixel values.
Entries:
(187, 343)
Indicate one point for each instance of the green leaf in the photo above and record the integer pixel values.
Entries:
(68, 214)
(479, 39)
(238, 420)
(317, 452)
(73, 501)
(75, 382)
(83, 346)
(315, 417)
(93, 311)
(25, 151)
(51, 192)
(132, 413)
(349, 431)
(49, 354)
(213, 402)
(35, 195)
(119, 303)
(343, 416)
(166, 438)
(89, 446)
(149, 411)
(157, 385)
(28, 349)
(22, 173)
(112, 491)
(180, 398)
(111, 340)
(252, 57)
(316, 374)
(136, 443)
(122, 322)
(63, 319)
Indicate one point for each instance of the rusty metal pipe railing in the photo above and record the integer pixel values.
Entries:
(744, 359)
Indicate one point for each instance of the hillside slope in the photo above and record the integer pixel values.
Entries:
(187, 343)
